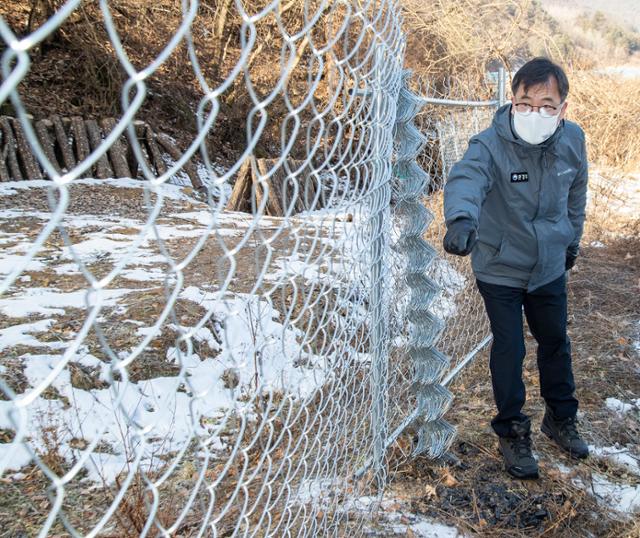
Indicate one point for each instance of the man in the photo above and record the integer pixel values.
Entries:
(516, 202)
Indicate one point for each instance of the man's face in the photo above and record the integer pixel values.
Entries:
(541, 95)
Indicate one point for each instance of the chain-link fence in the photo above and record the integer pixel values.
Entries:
(444, 122)
(450, 118)
(204, 360)
(220, 329)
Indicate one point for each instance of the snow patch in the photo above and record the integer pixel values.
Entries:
(48, 301)
(255, 343)
(621, 456)
(144, 274)
(140, 421)
(320, 494)
(14, 455)
(621, 407)
(292, 266)
(20, 334)
(452, 282)
(623, 498)
(622, 193)
(420, 526)
(8, 263)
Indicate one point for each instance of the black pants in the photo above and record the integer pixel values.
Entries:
(546, 312)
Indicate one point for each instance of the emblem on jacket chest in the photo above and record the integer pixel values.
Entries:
(519, 177)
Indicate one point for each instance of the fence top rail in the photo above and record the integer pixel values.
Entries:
(461, 103)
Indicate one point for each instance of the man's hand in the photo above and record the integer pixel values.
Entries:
(461, 237)
(570, 259)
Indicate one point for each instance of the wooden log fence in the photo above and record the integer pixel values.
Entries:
(66, 142)
(286, 188)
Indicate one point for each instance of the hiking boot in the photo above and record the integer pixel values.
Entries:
(565, 434)
(516, 451)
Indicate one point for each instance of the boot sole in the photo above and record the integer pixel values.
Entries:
(544, 429)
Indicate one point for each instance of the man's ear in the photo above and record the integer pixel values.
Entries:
(563, 110)
(513, 102)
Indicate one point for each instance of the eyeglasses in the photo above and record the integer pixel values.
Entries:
(546, 111)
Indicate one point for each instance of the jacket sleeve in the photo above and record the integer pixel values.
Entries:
(577, 202)
(469, 182)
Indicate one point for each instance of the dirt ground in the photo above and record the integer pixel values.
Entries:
(101, 221)
(475, 494)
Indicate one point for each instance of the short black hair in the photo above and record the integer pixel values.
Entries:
(538, 71)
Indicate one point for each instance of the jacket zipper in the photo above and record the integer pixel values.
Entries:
(545, 159)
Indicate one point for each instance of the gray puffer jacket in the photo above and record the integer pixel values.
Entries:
(527, 200)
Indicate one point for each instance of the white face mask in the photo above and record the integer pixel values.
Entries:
(533, 127)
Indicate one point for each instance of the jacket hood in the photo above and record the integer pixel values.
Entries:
(503, 124)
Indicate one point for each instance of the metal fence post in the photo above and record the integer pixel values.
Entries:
(502, 96)
(428, 364)
(377, 340)
(379, 199)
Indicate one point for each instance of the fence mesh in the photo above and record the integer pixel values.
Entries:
(449, 128)
(224, 332)
(175, 368)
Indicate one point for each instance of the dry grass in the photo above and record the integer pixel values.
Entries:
(454, 43)
(607, 109)
(476, 494)
(458, 41)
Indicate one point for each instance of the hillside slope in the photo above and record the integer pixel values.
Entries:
(623, 11)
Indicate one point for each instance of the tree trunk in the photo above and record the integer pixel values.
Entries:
(154, 152)
(241, 194)
(4, 152)
(273, 185)
(175, 154)
(310, 192)
(132, 161)
(141, 129)
(292, 202)
(81, 142)
(256, 188)
(283, 198)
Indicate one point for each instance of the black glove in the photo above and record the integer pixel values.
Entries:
(570, 259)
(461, 237)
